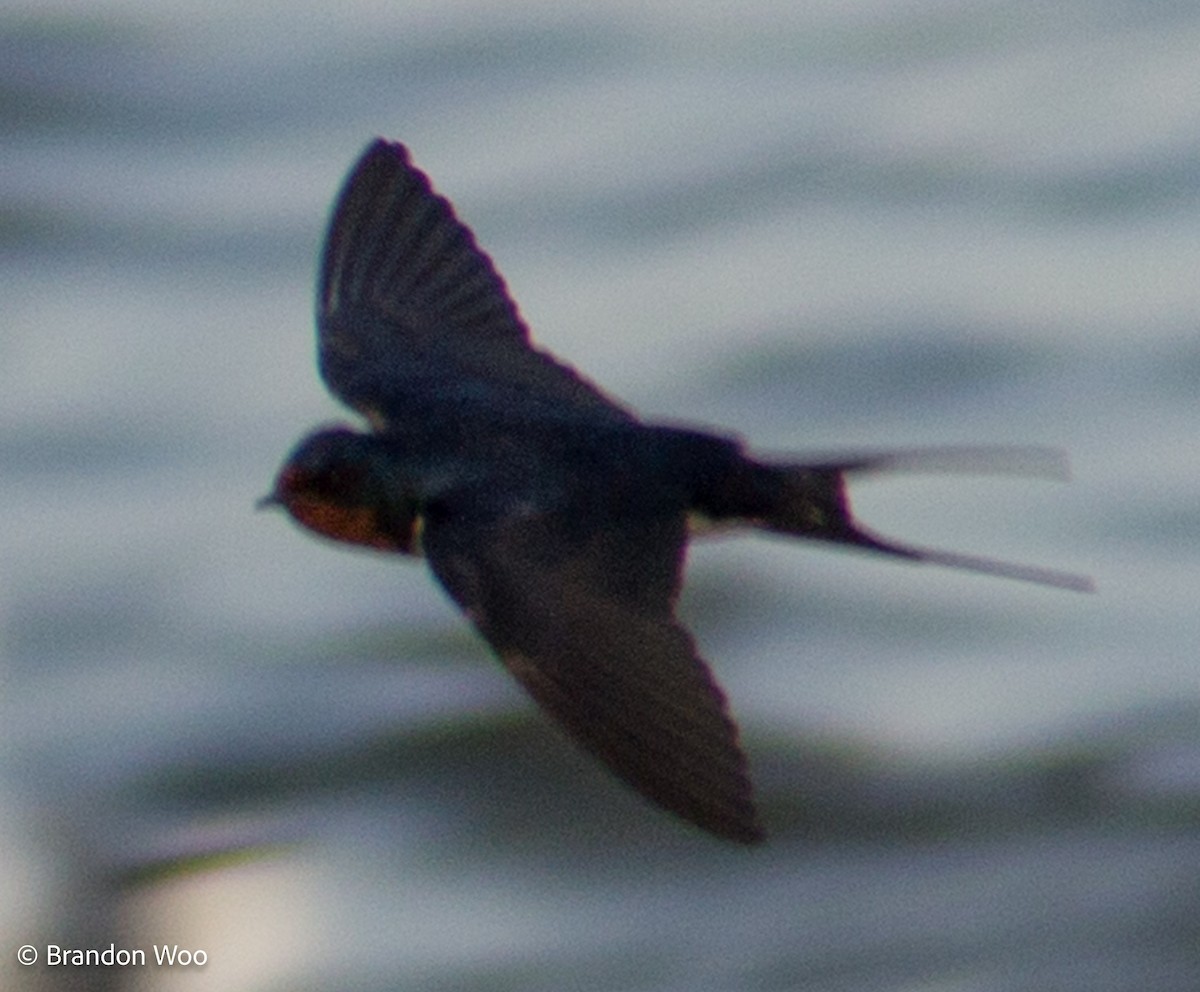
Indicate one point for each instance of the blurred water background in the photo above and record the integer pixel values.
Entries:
(825, 225)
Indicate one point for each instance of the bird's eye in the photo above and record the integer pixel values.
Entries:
(339, 480)
(330, 481)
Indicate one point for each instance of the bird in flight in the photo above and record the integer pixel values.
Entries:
(553, 516)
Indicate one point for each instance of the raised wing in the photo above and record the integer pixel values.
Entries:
(412, 314)
(587, 629)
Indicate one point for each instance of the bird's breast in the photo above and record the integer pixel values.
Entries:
(360, 525)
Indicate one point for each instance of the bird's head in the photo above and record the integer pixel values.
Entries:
(340, 484)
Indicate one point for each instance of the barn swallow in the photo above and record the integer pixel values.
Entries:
(553, 516)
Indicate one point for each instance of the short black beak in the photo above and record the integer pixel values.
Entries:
(268, 501)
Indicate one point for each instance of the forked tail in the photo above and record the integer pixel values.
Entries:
(810, 501)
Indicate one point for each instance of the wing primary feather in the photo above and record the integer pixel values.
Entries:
(694, 768)
(624, 682)
(411, 311)
(394, 243)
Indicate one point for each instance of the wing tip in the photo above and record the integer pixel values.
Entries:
(381, 147)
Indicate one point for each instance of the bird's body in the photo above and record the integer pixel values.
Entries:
(554, 517)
